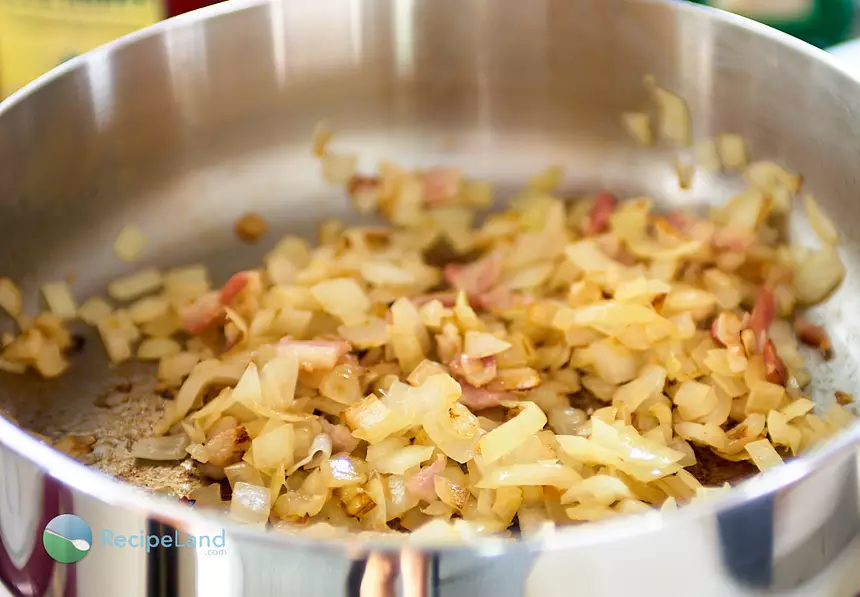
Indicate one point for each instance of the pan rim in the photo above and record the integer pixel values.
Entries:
(105, 489)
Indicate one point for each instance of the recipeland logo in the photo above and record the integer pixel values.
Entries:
(67, 539)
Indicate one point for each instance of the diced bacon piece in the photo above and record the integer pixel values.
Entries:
(316, 354)
(227, 447)
(813, 335)
(359, 183)
(499, 297)
(762, 316)
(342, 439)
(208, 309)
(421, 484)
(775, 370)
(477, 371)
(477, 277)
(231, 289)
(679, 220)
(477, 399)
(197, 317)
(732, 240)
(601, 211)
(441, 185)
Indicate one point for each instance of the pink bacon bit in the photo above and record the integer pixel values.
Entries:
(477, 277)
(762, 316)
(775, 370)
(813, 335)
(732, 240)
(441, 185)
(208, 309)
(421, 484)
(233, 287)
(316, 354)
(477, 399)
(200, 315)
(601, 211)
(342, 439)
(679, 220)
(499, 297)
(477, 371)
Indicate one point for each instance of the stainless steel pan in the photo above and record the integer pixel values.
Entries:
(184, 126)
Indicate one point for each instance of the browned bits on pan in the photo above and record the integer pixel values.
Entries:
(76, 445)
(165, 391)
(250, 227)
(813, 335)
(843, 398)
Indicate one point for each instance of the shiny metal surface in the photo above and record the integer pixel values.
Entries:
(185, 126)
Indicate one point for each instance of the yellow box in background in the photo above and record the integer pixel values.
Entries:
(37, 35)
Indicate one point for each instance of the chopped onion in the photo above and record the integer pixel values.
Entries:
(337, 169)
(274, 447)
(505, 438)
(455, 431)
(638, 125)
(674, 116)
(60, 300)
(250, 504)
(382, 273)
(733, 151)
(372, 334)
(450, 493)
(161, 448)
(550, 474)
(599, 490)
(129, 243)
(321, 137)
(479, 345)
(10, 297)
(763, 454)
(94, 309)
(135, 285)
(816, 275)
(153, 349)
(175, 367)
(707, 156)
(344, 299)
(695, 401)
(823, 226)
(764, 397)
(342, 471)
(320, 450)
(204, 375)
(400, 461)
(148, 309)
(684, 172)
(770, 177)
(613, 361)
(12, 367)
(115, 338)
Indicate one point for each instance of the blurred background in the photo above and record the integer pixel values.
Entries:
(36, 35)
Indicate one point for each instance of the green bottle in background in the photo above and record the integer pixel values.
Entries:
(820, 22)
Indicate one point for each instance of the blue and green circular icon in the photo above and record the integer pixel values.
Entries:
(67, 538)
